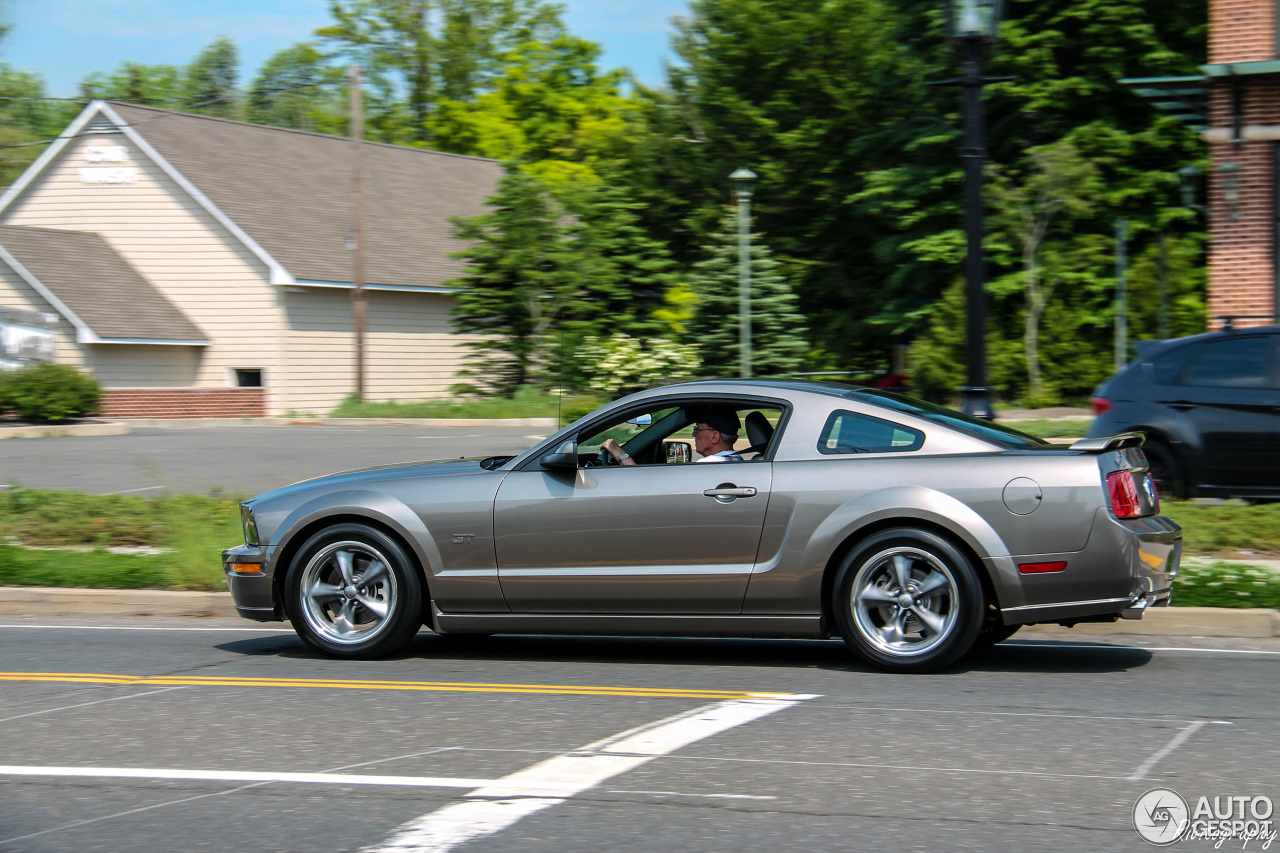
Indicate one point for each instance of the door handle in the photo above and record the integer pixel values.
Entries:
(1181, 406)
(731, 492)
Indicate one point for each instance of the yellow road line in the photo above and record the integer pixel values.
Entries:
(441, 686)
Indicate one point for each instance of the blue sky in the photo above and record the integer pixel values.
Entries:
(64, 40)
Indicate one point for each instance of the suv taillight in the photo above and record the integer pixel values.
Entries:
(1101, 405)
(1124, 495)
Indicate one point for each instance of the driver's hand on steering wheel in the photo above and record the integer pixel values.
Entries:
(619, 455)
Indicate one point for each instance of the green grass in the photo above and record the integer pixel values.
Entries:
(1047, 428)
(528, 402)
(96, 569)
(1226, 529)
(192, 529)
(1226, 585)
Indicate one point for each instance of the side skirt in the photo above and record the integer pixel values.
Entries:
(796, 627)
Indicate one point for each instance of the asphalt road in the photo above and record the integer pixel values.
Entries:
(235, 459)
(557, 745)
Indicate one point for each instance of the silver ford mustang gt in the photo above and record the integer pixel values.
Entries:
(913, 532)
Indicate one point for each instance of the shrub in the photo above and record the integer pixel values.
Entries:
(5, 379)
(49, 393)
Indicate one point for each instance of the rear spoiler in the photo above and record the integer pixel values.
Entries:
(1104, 443)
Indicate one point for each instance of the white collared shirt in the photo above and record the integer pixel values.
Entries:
(723, 456)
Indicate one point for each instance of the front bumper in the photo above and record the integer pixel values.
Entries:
(249, 577)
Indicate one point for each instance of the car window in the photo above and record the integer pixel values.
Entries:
(665, 436)
(1243, 362)
(848, 432)
(997, 434)
(1167, 367)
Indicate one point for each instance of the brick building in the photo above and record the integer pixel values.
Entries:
(1243, 77)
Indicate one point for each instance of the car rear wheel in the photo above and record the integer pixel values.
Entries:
(1166, 469)
(908, 600)
(351, 592)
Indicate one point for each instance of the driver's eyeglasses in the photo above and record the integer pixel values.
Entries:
(703, 429)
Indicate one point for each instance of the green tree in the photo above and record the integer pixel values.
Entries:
(514, 287)
(1029, 208)
(417, 53)
(209, 83)
(549, 105)
(549, 269)
(298, 87)
(778, 334)
(154, 85)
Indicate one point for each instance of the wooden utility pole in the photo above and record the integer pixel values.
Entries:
(359, 302)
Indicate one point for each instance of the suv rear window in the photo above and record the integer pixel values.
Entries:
(1243, 362)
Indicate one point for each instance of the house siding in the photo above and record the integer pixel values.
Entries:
(178, 246)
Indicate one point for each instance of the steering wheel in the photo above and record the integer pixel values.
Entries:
(607, 460)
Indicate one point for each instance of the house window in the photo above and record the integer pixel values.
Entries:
(248, 377)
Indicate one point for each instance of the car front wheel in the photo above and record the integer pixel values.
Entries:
(908, 600)
(352, 592)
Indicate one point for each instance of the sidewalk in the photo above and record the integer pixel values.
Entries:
(54, 602)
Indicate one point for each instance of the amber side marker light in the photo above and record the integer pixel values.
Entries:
(1040, 568)
(246, 568)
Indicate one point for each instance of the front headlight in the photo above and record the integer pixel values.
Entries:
(250, 526)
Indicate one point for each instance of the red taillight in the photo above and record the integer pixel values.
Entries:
(1124, 494)
(1101, 405)
(1041, 568)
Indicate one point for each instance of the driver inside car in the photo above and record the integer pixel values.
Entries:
(714, 432)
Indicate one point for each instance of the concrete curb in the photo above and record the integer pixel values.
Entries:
(52, 602)
(64, 430)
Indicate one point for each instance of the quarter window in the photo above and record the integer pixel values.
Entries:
(1243, 362)
(847, 432)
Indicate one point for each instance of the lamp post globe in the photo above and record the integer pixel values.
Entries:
(744, 181)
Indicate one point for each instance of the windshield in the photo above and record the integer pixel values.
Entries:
(1001, 436)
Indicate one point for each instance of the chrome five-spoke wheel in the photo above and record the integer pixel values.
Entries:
(348, 592)
(353, 593)
(908, 599)
(904, 601)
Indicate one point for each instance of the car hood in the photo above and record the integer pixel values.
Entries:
(366, 477)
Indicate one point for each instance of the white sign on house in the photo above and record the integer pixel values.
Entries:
(107, 174)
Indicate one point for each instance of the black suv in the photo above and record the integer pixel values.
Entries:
(1210, 406)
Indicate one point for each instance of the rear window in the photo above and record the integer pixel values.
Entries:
(1243, 362)
(1167, 368)
(848, 432)
(993, 433)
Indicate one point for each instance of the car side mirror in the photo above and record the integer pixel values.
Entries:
(564, 456)
(678, 452)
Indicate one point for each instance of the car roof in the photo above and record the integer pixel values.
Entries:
(1147, 349)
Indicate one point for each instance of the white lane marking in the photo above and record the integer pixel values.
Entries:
(146, 628)
(702, 796)
(1178, 740)
(545, 786)
(968, 713)
(1092, 646)
(95, 702)
(130, 491)
(492, 808)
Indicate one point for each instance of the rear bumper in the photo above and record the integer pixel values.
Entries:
(1127, 567)
(252, 590)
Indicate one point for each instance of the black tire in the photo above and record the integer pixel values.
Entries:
(1167, 470)
(352, 592)
(991, 635)
(915, 632)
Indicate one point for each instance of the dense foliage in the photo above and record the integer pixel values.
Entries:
(48, 393)
(612, 216)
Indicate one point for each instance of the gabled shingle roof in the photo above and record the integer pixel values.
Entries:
(290, 191)
(98, 285)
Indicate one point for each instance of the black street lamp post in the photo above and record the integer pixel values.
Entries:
(970, 25)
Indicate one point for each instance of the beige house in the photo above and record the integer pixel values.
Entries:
(200, 266)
